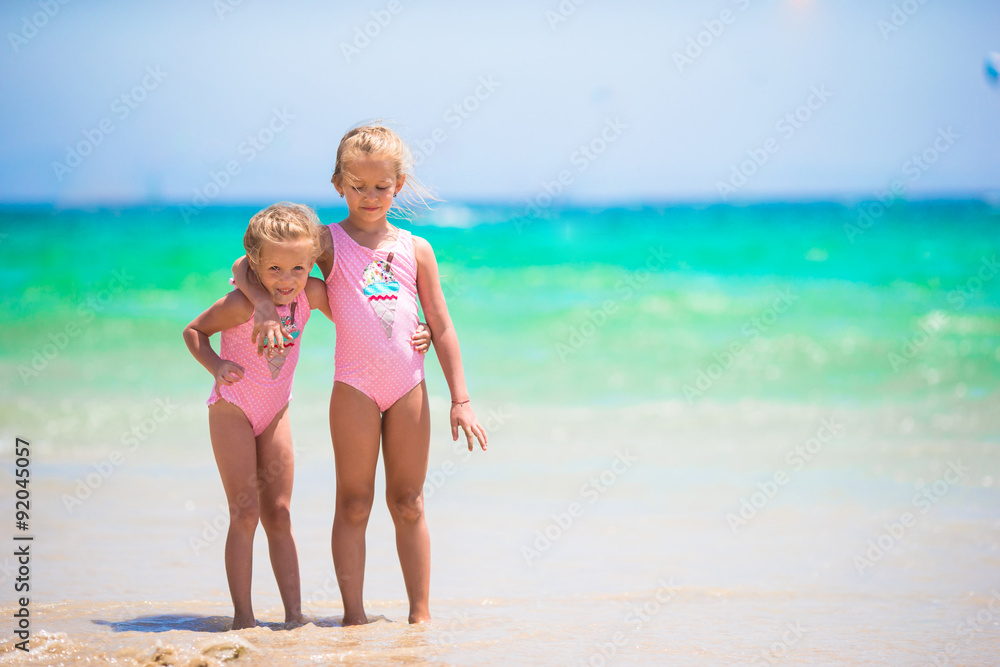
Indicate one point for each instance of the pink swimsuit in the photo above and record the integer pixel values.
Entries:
(373, 297)
(266, 386)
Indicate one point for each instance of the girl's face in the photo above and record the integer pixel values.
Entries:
(368, 186)
(284, 268)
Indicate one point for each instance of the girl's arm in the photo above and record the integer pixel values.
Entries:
(325, 259)
(446, 342)
(318, 300)
(266, 323)
(229, 311)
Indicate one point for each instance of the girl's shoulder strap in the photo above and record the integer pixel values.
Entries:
(337, 234)
(302, 300)
(302, 309)
(406, 239)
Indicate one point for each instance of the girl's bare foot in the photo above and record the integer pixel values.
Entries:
(243, 622)
(421, 616)
(355, 619)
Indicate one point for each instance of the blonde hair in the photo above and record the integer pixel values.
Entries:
(375, 139)
(281, 223)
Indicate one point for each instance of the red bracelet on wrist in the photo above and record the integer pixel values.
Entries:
(460, 402)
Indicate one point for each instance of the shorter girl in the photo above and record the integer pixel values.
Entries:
(248, 409)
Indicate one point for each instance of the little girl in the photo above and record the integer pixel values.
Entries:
(248, 408)
(374, 274)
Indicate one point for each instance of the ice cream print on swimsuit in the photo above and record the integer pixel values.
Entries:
(278, 360)
(382, 290)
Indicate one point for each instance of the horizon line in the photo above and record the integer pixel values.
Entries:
(989, 198)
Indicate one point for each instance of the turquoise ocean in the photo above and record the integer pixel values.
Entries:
(759, 434)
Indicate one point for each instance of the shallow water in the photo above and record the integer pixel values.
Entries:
(650, 569)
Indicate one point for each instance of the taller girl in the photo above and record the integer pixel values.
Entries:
(375, 272)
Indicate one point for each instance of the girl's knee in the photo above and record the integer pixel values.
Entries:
(276, 517)
(244, 516)
(407, 507)
(354, 508)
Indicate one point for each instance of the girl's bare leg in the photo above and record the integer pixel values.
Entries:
(406, 436)
(355, 424)
(275, 474)
(236, 456)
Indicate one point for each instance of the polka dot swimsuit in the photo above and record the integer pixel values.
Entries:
(373, 297)
(266, 386)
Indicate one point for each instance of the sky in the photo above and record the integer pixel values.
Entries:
(240, 101)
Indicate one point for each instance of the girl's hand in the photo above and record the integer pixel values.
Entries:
(421, 338)
(268, 331)
(228, 372)
(463, 415)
